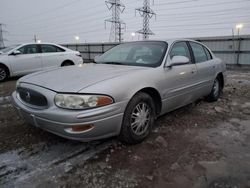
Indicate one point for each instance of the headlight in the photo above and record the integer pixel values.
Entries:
(79, 102)
(17, 84)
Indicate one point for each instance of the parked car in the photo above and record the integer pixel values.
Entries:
(23, 59)
(123, 92)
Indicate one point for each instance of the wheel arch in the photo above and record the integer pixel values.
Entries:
(221, 79)
(155, 95)
(7, 68)
(67, 61)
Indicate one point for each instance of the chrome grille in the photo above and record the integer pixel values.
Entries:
(32, 97)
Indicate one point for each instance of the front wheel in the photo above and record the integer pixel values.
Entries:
(138, 119)
(216, 91)
(3, 73)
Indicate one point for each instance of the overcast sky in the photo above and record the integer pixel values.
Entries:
(60, 20)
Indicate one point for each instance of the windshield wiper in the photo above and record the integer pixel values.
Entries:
(112, 63)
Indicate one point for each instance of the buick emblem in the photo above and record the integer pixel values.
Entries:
(27, 96)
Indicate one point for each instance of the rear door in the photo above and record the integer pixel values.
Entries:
(205, 67)
(180, 80)
(28, 61)
(52, 56)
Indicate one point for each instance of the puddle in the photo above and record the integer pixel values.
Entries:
(43, 161)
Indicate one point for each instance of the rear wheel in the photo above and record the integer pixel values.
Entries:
(3, 73)
(138, 119)
(216, 91)
(67, 63)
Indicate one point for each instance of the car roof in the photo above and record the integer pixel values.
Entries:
(175, 39)
(40, 43)
(169, 41)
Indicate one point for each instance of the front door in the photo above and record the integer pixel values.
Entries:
(28, 61)
(180, 80)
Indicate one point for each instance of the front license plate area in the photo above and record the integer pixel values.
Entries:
(29, 118)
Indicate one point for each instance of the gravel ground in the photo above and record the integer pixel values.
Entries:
(201, 145)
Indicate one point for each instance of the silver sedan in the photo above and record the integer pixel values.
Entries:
(122, 92)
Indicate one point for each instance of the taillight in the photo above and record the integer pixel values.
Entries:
(79, 55)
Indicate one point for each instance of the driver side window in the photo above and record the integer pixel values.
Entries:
(29, 49)
(180, 49)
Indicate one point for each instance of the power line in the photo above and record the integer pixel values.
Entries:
(177, 2)
(76, 15)
(187, 16)
(196, 25)
(147, 13)
(175, 16)
(210, 12)
(33, 17)
(180, 2)
(72, 22)
(98, 28)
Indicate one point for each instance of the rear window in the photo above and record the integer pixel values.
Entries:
(47, 48)
(209, 56)
(199, 52)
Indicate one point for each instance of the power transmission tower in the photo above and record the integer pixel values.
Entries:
(117, 25)
(1, 36)
(147, 13)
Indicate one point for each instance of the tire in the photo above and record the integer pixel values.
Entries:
(216, 91)
(67, 63)
(138, 119)
(3, 73)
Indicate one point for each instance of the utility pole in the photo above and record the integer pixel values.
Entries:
(35, 38)
(1, 36)
(147, 13)
(238, 27)
(117, 25)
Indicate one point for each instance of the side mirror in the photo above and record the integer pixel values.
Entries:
(179, 60)
(96, 58)
(16, 52)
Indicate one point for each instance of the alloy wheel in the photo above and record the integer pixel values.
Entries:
(216, 87)
(140, 118)
(3, 74)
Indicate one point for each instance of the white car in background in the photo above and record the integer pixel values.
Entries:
(23, 59)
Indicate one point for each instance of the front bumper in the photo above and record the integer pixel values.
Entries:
(106, 120)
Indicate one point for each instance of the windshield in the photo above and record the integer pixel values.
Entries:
(144, 53)
(7, 49)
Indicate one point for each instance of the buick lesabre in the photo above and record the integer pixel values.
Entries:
(122, 92)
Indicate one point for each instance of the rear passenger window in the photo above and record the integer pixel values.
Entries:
(180, 49)
(47, 48)
(209, 56)
(199, 52)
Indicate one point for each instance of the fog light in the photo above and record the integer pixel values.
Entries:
(79, 128)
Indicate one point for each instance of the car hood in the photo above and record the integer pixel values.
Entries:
(3, 54)
(76, 78)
